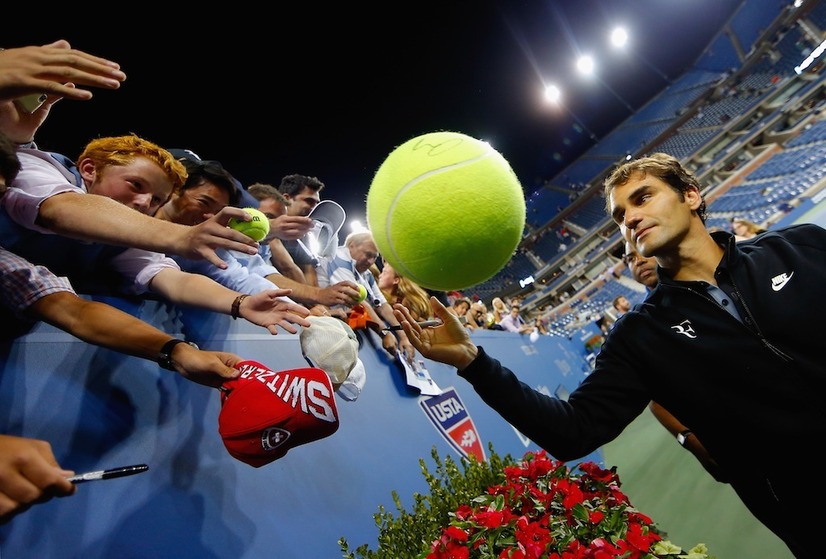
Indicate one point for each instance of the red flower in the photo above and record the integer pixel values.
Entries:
(545, 509)
(463, 512)
(489, 519)
(454, 533)
(596, 516)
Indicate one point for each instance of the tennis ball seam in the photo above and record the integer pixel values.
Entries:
(405, 271)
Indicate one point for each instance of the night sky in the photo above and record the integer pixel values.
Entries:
(330, 91)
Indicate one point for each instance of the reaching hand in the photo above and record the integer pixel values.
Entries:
(341, 293)
(407, 349)
(55, 69)
(210, 368)
(448, 343)
(389, 343)
(289, 227)
(200, 241)
(269, 310)
(29, 474)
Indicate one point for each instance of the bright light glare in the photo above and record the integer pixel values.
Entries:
(553, 94)
(815, 54)
(356, 226)
(619, 37)
(585, 65)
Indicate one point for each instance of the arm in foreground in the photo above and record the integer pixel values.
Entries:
(91, 217)
(265, 308)
(566, 429)
(106, 326)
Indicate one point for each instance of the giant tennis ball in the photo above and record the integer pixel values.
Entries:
(446, 210)
(257, 228)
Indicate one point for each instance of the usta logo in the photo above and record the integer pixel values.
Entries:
(447, 409)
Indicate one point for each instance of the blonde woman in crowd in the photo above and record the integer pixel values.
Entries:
(744, 229)
(499, 309)
(398, 289)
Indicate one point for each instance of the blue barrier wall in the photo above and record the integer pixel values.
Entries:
(100, 409)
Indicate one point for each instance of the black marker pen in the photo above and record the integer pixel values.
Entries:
(109, 474)
(425, 324)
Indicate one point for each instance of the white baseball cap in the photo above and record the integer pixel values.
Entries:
(322, 239)
(330, 344)
(351, 388)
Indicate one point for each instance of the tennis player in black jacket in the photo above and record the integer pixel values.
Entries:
(730, 342)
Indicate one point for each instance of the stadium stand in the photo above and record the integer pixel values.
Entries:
(745, 122)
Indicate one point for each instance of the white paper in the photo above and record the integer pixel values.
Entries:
(418, 376)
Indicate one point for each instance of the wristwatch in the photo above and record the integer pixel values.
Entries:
(682, 436)
(165, 355)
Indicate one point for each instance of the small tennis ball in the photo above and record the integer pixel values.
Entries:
(256, 229)
(446, 210)
(362, 294)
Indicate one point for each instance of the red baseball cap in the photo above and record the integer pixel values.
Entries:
(265, 413)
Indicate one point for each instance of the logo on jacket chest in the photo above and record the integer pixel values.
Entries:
(685, 328)
(780, 281)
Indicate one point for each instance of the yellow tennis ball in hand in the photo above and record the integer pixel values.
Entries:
(446, 210)
(257, 228)
(362, 294)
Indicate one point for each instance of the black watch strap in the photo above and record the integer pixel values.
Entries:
(165, 355)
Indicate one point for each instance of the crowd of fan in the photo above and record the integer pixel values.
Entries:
(130, 217)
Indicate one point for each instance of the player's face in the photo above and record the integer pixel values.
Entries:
(141, 184)
(651, 215)
(304, 202)
(196, 204)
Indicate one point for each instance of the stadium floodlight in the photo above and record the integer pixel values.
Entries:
(553, 94)
(585, 65)
(619, 37)
(814, 55)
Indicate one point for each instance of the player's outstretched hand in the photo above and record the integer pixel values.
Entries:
(448, 343)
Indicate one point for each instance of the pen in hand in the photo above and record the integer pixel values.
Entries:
(108, 474)
(425, 324)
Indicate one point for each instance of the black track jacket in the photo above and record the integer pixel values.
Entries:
(752, 391)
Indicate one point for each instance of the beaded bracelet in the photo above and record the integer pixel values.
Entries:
(235, 312)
